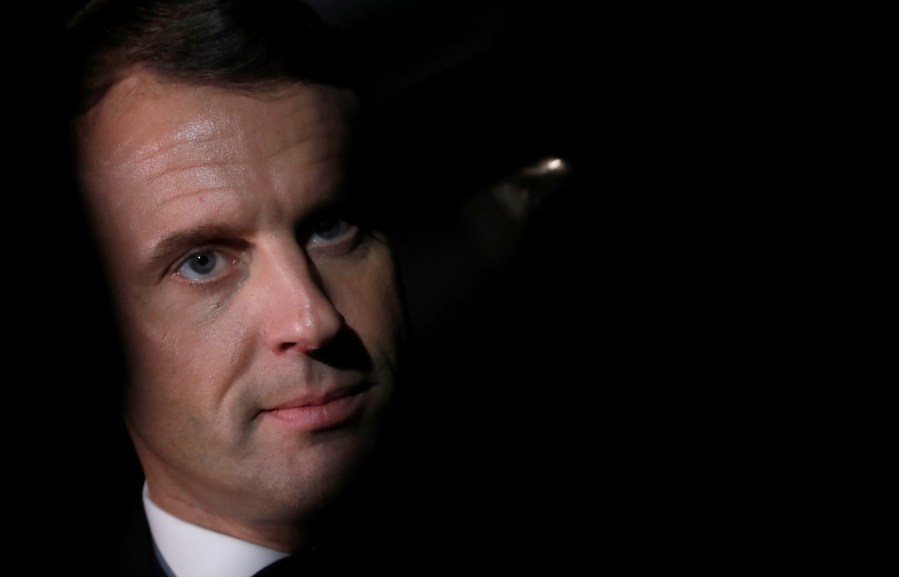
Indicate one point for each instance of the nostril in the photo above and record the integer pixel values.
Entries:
(299, 346)
(284, 347)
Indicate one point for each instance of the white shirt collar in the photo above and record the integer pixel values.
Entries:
(193, 551)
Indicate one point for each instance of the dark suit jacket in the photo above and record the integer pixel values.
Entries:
(134, 554)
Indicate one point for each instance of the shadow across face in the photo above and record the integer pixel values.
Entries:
(345, 351)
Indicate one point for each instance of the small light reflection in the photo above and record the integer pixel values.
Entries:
(525, 189)
(545, 166)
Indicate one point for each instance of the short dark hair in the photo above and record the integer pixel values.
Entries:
(242, 44)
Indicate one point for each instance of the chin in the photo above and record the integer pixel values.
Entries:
(320, 475)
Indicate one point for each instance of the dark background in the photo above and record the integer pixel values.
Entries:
(519, 417)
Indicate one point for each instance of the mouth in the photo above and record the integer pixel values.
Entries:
(321, 411)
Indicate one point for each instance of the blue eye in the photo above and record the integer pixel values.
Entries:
(331, 228)
(202, 265)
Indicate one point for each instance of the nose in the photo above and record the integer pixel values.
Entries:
(299, 315)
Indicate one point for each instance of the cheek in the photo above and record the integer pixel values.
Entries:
(180, 376)
(371, 305)
(178, 352)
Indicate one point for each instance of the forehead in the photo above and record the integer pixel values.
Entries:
(142, 116)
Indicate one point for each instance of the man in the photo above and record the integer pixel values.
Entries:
(261, 318)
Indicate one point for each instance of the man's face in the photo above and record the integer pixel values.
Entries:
(262, 325)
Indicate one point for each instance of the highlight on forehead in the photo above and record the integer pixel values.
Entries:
(146, 129)
(144, 87)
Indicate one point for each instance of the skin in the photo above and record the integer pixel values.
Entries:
(239, 292)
